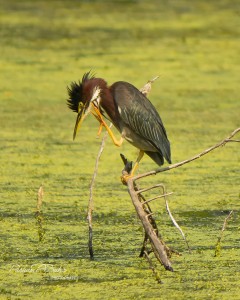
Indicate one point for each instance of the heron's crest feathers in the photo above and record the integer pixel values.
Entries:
(75, 92)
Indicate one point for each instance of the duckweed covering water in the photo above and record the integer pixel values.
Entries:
(194, 47)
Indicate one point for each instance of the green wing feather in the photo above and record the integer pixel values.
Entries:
(141, 116)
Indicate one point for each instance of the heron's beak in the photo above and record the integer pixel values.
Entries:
(80, 117)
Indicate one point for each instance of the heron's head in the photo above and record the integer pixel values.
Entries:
(82, 96)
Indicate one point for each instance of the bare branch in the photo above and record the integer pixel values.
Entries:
(157, 197)
(157, 245)
(39, 198)
(90, 202)
(39, 214)
(179, 164)
(226, 220)
(145, 90)
(151, 187)
(218, 245)
(164, 195)
(176, 224)
(152, 267)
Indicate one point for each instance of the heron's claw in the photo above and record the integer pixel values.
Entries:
(97, 114)
(125, 178)
(127, 171)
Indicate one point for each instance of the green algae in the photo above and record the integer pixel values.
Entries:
(47, 44)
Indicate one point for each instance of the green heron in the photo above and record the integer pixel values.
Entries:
(127, 108)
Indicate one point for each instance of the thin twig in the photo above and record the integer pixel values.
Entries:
(149, 215)
(150, 188)
(152, 267)
(218, 245)
(157, 197)
(39, 198)
(145, 90)
(225, 222)
(157, 245)
(90, 202)
(176, 224)
(164, 195)
(179, 164)
(235, 141)
(39, 214)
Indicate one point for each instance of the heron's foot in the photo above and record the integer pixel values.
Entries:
(127, 171)
(97, 114)
(126, 177)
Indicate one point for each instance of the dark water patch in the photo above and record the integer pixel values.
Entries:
(203, 215)
(108, 218)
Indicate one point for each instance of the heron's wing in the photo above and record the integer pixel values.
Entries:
(141, 116)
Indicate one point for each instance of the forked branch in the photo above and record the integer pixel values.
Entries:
(159, 248)
(158, 245)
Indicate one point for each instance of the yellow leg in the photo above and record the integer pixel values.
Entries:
(140, 156)
(99, 117)
(100, 129)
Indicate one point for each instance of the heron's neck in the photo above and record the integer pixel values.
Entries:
(106, 101)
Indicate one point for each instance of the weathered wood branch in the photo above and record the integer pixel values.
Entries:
(161, 251)
(145, 90)
(90, 201)
(155, 241)
(181, 163)
(159, 248)
(152, 267)
(176, 224)
(218, 244)
(39, 214)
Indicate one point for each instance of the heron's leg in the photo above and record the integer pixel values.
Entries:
(100, 129)
(124, 178)
(140, 156)
(99, 117)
